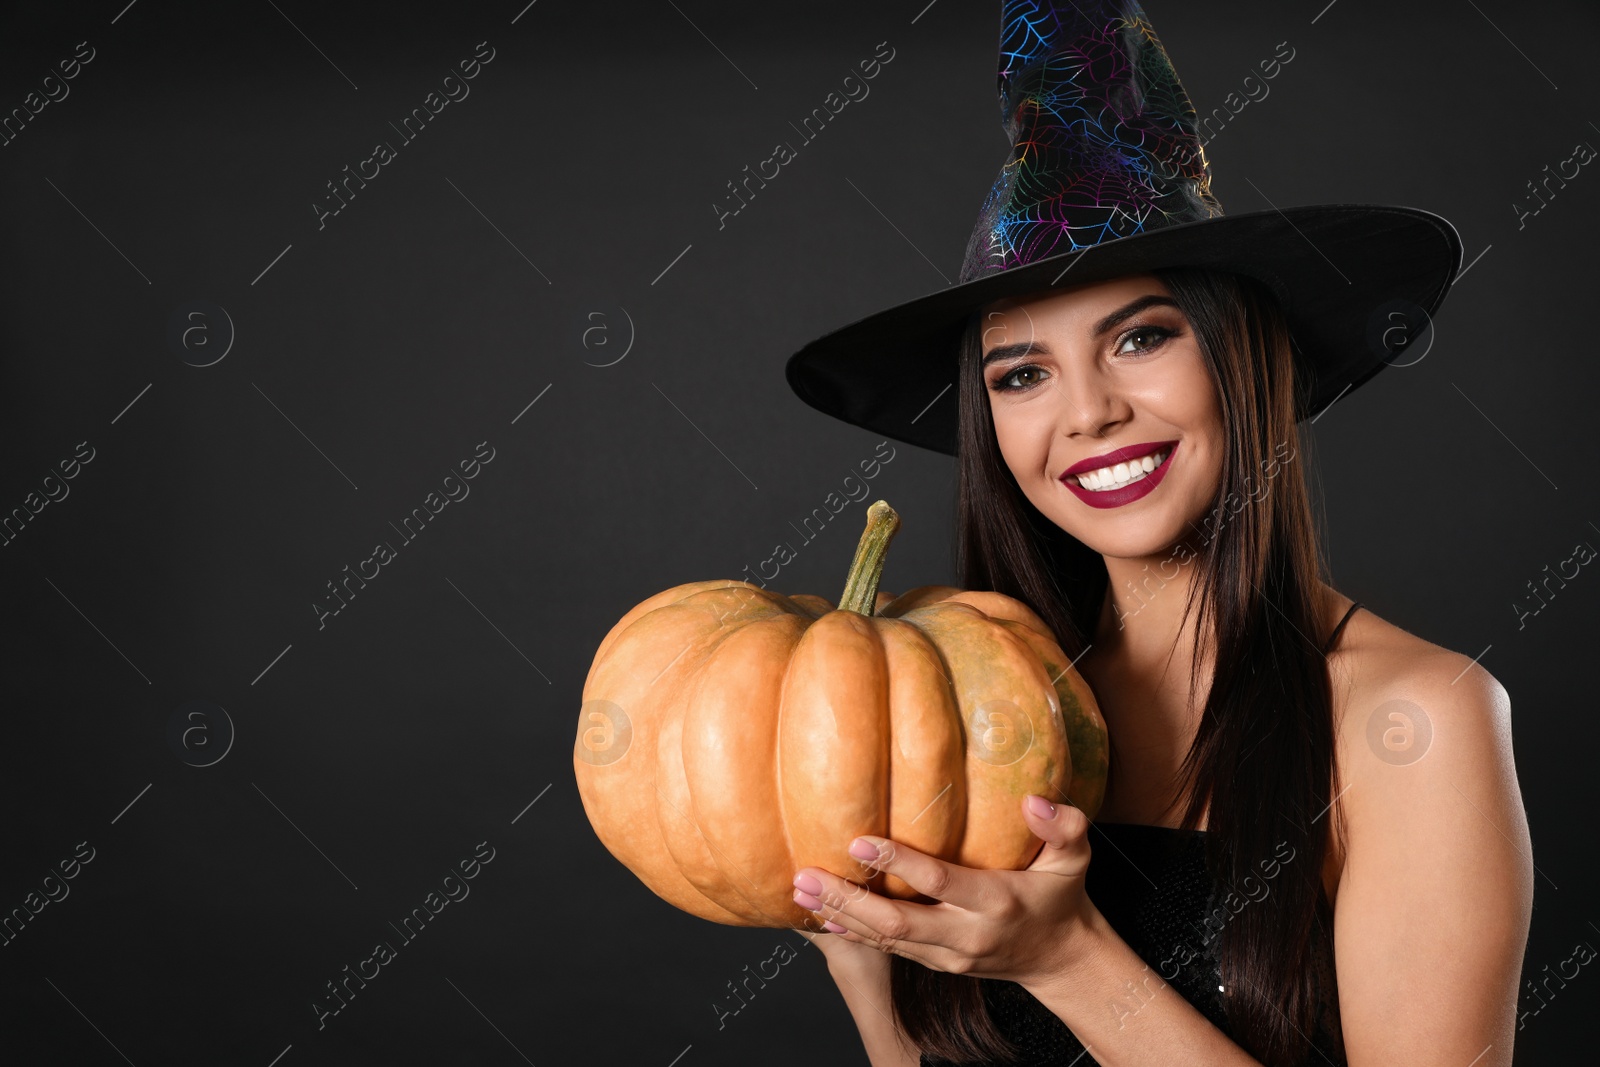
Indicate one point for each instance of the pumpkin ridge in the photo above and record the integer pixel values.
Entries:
(833, 741)
(908, 648)
(736, 682)
(645, 608)
(996, 834)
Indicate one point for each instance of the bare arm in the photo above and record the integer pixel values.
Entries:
(1432, 912)
(862, 975)
(1431, 918)
(1124, 1013)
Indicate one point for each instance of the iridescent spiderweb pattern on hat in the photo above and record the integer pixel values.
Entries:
(1103, 135)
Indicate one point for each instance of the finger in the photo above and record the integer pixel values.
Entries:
(1064, 829)
(928, 875)
(901, 927)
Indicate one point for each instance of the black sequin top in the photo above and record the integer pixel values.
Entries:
(1152, 886)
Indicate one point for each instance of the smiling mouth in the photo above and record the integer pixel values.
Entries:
(1122, 474)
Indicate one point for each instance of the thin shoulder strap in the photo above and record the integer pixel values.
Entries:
(1337, 630)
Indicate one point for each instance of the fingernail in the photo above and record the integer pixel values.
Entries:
(807, 884)
(1041, 807)
(833, 928)
(807, 901)
(862, 849)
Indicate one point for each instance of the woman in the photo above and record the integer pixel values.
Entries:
(1312, 846)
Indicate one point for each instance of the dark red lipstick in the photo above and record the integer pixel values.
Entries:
(1127, 494)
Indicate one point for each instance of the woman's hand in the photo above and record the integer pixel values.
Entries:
(1012, 925)
(855, 957)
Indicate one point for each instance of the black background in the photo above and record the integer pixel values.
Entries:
(371, 355)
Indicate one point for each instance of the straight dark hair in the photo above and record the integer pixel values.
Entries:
(1263, 753)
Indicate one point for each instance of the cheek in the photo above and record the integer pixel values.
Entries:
(1023, 432)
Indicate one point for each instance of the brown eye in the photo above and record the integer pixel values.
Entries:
(1008, 383)
(1152, 337)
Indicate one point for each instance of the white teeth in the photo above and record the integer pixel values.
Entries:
(1121, 474)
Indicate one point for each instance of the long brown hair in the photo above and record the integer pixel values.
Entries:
(1263, 753)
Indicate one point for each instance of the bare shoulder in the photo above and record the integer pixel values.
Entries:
(1396, 690)
(1426, 765)
(1423, 736)
(1432, 810)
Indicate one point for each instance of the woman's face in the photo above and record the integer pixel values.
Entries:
(1090, 387)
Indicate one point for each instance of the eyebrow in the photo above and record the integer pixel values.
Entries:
(1123, 313)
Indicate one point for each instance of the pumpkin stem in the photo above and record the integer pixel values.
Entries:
(861, 587)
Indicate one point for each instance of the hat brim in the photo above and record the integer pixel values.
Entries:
(1337, 270)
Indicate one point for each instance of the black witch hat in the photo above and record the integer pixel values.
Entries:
(1107, 176)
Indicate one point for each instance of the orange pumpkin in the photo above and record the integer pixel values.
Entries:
(731, 735)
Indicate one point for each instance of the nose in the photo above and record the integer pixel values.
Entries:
(1091, 406)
